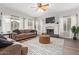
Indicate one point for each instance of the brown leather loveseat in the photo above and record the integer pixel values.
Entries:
(23, 34)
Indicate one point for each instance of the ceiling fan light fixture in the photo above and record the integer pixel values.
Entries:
(42, 6)
(40, 10)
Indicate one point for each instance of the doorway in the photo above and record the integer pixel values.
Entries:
(67, 26)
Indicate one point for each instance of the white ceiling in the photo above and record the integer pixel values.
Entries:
(28, 8)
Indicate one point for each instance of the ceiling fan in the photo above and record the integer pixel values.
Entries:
(42, 6)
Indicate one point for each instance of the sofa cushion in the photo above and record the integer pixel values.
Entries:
(26, 31)
(4, 43)
(33, 31)
(17, 31)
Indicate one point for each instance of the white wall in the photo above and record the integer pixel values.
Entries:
(73, 23)
(6, 12)
(21, 23)
(26, 24)
(59, 18)
(0, 23)
(61, 26)
(5, 24)
(44, 26)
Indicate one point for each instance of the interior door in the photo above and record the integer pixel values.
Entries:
(67, 26)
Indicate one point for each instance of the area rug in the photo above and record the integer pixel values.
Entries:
(36, 48)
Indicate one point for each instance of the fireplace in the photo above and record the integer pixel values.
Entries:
(50, 32)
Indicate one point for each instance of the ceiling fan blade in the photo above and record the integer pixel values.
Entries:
(44, 4)
(44, 8)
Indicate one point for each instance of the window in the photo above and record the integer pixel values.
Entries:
(31, 24)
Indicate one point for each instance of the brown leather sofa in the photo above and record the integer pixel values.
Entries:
(23, 34)
(15, 49)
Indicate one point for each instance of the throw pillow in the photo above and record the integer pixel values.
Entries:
(5, 43)
(17, 31)
(32, 30)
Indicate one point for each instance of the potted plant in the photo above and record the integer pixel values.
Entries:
(75, 31)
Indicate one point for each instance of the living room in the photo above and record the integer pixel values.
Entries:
(34, 29)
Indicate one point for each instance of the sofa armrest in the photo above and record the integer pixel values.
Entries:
(21, 35)
(24, 50)
(14, 35)
(14, 49)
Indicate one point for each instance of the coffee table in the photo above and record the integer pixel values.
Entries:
(45, 39)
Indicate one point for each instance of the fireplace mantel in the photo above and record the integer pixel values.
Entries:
(50, 26)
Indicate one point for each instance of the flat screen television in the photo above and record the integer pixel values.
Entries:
(50, 20)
